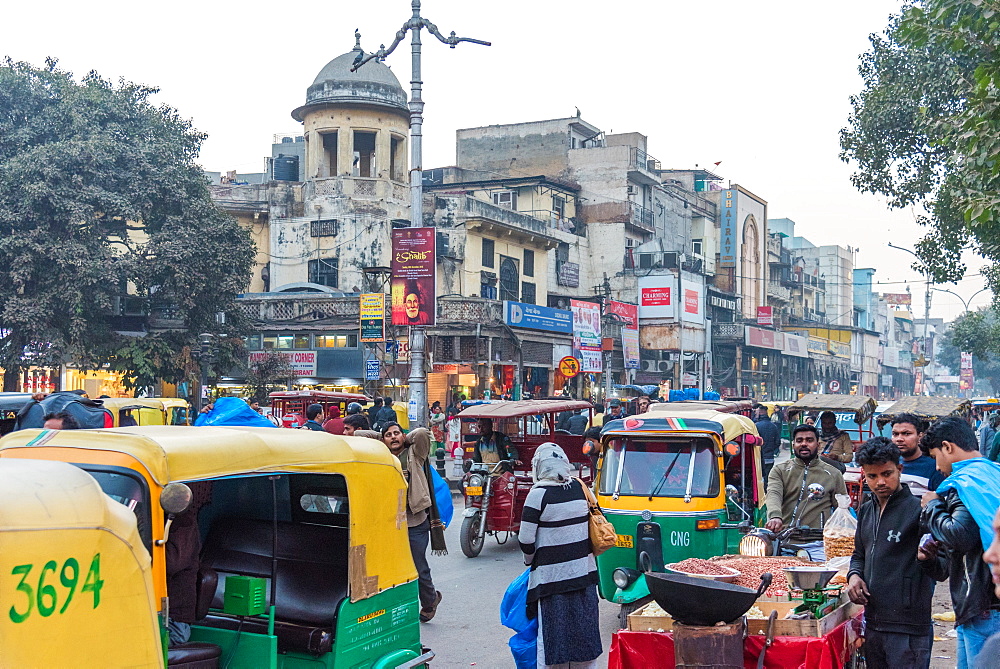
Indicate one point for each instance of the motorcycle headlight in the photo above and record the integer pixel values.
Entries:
(475, 480)
(756, 544)
(624, 577)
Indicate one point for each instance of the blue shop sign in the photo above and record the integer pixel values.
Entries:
(534, 317)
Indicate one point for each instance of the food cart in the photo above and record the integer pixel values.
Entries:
(929, 408)
(859, 408)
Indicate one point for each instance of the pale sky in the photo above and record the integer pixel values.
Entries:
(762, 86)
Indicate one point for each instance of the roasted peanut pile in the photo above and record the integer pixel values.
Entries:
(699, 566)
(751, 568)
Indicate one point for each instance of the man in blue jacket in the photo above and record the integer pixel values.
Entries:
(959, 516)
(888, 575)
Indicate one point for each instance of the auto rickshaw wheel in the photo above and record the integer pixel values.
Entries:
(631, 607)
(470, 538)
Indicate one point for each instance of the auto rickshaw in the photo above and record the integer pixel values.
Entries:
(854, 413)
(495, 494)
(304, 558)
(147, 410)
(741, 407)
(675, 485)
(289, 406)
(75, 579)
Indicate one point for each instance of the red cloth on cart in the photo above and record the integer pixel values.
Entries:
(645, 650)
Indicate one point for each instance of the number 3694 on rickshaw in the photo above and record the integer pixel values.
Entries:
(495, 491)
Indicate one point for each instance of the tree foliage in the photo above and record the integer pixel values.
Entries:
(926, 128)
(977, 333)
(269, 373)
(100, 197)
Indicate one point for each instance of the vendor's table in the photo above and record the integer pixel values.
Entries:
(646, 650)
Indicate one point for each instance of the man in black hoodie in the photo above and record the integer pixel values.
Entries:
(887, 575)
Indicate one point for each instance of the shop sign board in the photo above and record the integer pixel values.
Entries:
(413, 269)
(966, 380)
(372, 370)
(897, 298)
(762, 338)
(693, 310)
(372, 311)
(796, 346)
(656, 296)
(587, 335)
(535, 317)
(728, 223)
(630, 347)
(765, 315)
(303, 363)
(628, 313)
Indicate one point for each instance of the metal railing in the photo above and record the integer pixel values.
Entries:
(641, 160)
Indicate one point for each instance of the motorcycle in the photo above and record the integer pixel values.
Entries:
(794, 540)
(494, 499)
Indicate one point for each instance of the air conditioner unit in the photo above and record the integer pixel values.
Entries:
(631, 243)
(664, 366)
(650, 365)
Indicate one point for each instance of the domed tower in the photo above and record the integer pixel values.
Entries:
(356, 128)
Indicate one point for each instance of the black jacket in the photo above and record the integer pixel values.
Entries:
(950, 522)
(885, 556)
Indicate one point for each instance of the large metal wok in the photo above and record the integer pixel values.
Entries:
(696, 601)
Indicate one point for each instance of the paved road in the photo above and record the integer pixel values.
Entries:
(466, 630)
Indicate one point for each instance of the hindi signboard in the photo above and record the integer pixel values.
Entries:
(587, 334)
(372, 317)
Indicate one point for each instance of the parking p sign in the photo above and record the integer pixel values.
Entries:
(371, 370)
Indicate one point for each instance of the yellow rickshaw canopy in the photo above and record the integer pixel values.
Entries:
(729, 426)
(931, 408)
(862, 406)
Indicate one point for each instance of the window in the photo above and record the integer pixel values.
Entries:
(397, 159)
(528, 292)
(328, 168)
(337, 341)
(508, 279)
(529, 262)
(364, 154)
(488, 247)
(696, 246)
(253, 342)
(559, 207)
(323, 272)
(324, 227)
(301, 341)
(506, 199)
(660, 468)
(284, 341)
(270, 342)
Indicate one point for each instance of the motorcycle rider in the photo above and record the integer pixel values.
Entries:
(788, 485)
(492, 445)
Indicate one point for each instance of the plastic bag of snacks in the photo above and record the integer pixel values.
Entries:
(838, 534)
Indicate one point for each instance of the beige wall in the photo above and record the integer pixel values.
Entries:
(502, 247)
(344, 121)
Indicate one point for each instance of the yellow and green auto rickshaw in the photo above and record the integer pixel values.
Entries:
(75, 581)
(147, 410)
(675, 485)
(304, 558)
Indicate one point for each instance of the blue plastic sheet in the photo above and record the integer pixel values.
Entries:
(232, 411)
(442, 495)
(977, 482)
(514, 614)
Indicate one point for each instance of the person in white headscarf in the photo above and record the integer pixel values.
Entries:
(562, 586)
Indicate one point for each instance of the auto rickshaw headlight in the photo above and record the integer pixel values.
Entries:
(757, 544)
(476, 480)
(624, 577)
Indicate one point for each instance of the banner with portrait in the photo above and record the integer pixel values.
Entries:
(413, 269)
(587, 335)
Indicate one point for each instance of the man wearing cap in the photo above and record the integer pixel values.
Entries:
(615, 411)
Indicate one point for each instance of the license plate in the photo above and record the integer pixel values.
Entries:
(623, 541)
(474, 490)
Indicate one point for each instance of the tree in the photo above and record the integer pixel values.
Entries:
(977, 333)
(267, 374)
(101, 198)
(926, 128)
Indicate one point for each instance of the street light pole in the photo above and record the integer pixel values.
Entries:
(927, 305)
(965, 303)
(418, 375)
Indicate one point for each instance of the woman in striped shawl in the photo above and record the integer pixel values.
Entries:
(562, 587)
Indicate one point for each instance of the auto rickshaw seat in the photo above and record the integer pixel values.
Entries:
(194, 656)
(311, 576)
(208, 582)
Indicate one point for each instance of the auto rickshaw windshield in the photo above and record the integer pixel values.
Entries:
(660, 468)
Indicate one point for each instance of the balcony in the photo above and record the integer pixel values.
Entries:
(642, 167)
(238, 199)
(470, 310)
(618, 212)
(359, 188)
(298, 307)
(558, 222)
(778, 291)
(508, 221)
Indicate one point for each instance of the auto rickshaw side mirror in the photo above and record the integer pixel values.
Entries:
(732, 493)
(175, 498)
